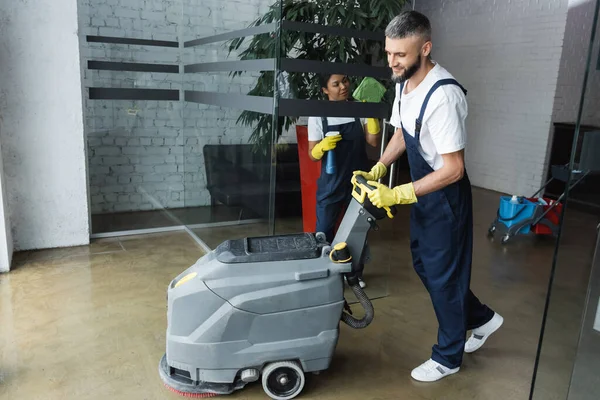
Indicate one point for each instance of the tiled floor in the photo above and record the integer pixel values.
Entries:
(89, 322)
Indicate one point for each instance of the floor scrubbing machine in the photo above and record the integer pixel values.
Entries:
(267, 307)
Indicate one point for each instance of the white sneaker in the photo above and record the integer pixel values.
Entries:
(481, 334)
(431, 371)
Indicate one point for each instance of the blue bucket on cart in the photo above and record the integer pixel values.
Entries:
(510, 214)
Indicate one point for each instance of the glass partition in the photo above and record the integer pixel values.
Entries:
(194, 109)
(133, 113)
(568, 358)
(227, 159)
(164, 115)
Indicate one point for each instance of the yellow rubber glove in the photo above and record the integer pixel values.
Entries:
(373, 126)
(328, 143)
(378, 171)
(384, 196)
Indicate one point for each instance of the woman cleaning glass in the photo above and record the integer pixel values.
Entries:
(340, 143)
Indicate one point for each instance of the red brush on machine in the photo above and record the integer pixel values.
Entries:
(191, 395)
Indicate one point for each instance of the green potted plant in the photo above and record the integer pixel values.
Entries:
(363, 15)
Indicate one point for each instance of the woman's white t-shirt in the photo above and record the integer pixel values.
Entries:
(315, 126)
(443, 127)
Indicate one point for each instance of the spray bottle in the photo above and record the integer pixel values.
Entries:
(330, 167)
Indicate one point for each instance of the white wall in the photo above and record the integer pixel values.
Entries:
(144, 150)
(42, 124)
(506, 54)
(572, 67)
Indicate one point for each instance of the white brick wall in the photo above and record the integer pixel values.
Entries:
(140, 150)
(506, 54)
(572, 67)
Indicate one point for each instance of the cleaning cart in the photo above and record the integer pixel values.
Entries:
(540, 215)
(533, 215)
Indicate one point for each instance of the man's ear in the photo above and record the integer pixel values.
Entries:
(426, 49)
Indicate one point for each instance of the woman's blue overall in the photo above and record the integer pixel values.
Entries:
(335, 191)
(441, 230)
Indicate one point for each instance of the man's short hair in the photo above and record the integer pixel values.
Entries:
(409, 23)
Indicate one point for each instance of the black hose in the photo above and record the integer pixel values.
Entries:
(366, 305)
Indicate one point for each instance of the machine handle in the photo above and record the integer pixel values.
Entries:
(362, 188)
(362, 181)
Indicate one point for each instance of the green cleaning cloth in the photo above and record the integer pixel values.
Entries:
(369, 90)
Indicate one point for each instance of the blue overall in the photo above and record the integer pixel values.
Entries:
(441, 230)
(334, 192)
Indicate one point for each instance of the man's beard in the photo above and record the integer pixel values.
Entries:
(408, 73)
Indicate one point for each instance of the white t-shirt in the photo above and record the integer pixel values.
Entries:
(443, 127)
(315, 126)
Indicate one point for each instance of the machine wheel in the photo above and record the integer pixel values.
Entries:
(505, 238)
(320, 236)
(492, 230)
(283, 380)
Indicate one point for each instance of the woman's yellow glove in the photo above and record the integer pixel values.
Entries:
(328, 143)
(373, 126)
(384, 196)
(378, 171)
